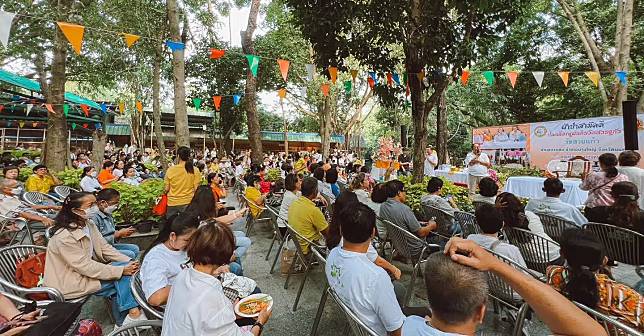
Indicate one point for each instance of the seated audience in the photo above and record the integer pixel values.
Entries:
(598, 184)
(214, 181)
(396, 211)
(15, 322)
(553, 205)
(130, 176)
(12, 173)
(331, 177)
(41, 180)
(628, 165)
(304, 217)
(11, 206)
(323, 187)
(253, 194)
(107, 201)
(360, 284)
(293, 186)
(378, 196)
(89, 182)
(78, 260)
(585, 279)
(625, 212)
(434, 199)
(197, 304)
(105, 177)
(515, 216)
(119, 169)
(457, 290)
(360, 186)
(488, 189)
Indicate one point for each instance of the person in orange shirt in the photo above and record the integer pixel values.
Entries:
(214, 181)
(105, 177)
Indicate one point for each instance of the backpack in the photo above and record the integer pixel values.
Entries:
(29, 271)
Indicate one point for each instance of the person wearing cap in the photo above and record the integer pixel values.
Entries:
(431, 161)
(477, 164)
(552, 205)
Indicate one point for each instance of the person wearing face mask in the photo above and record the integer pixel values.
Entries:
(11, 205)
(88, 182)
(107, 200)
(80, 262)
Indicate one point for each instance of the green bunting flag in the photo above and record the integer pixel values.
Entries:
(405, 77)
(197, 102)
(347, 86)
(489, 76)
(253, 63)
(66, 109)
(73, 126)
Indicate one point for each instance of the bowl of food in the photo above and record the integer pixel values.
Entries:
(251, 305)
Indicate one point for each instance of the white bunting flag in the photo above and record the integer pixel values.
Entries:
(538, 76)
(310, 70)
(29, 107)
(5, 26)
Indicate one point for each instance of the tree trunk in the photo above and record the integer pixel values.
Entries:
(441, 122)
(623, 50)
(182, 132)
(99, 138)
(325, 127)
(156, 109)
(254, 135)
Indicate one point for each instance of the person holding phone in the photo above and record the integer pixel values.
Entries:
(41, 180)
(107, 201)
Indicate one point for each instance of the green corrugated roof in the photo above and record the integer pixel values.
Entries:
(118, 129)
(32, 85)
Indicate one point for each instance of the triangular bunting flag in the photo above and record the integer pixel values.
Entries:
(175, 46)
(104, 108)
(65, 109)
(28, 109)
(396, 78)
(8, 123)
(594, 77)
(139, 106)
(284, 65)
(354, 74)
(281, 93)
(73, 126)
(34, 124)
(236, 99)
(85, 125)
(465, 76)
(565, 77)
(421, 75)
(1, 108)
(538, 76)
(74, 34)
(371, 82)
(253, 63)
(5, 26)
(310, 72)
(217, 53)
(121, 107)
(512, 76)
(325, 89)
(333, 74)
(622, 76)
(197, 102)
(216, 100)
(85, 109)
(98, 126)
(374, 77)
(130, 39)
(390, 79)
(49, 107)
(348, 86)
(489, 77)
(21, 124)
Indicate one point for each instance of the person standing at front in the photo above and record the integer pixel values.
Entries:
(431, 161)
(477, 164)
(181, 181)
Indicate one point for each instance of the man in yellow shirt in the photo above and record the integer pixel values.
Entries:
(304, 217)
(253, 194)
(41, 180)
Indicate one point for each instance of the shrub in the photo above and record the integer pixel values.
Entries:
(70, 177)
(152, 167)
(24, 173)
(415, 191)
(137, 202)
(273, 175)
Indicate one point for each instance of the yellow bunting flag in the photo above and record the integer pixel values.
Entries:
(74, 34)
(333, 73)
(21, 124)
(354, 74)
(421, 75)
(121, 107)
(139, 106)
(565, 77)
(512, 76)
(325, 89)
(284, 65)
(594, 77)
(281, 93)
(130, 39)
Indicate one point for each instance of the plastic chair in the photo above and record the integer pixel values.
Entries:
(132, 329)
(357, 326)
(612, 326)
(318, 316)
(534, 249)
(9, 257)
(623, 245)
(137, 291)
(400, 240)
(277, 235)
(63, 191)
(467, 222)
(555, 226)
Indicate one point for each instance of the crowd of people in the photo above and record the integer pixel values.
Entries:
(193, 271)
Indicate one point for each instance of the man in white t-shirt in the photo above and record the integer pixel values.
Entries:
(553, 205)
(431, 161)
(364, 287)
(477, 164)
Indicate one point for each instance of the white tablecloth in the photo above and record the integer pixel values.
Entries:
(531, 187)
(458, 177)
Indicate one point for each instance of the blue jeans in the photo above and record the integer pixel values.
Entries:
(124, 300)
(236, 268)
(130, 250)
(242, 244)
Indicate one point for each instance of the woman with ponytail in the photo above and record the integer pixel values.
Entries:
(586, 279)
(625, 212)
(181, 181)
(598, 184)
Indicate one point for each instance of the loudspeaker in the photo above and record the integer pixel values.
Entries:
(403, 135)
(630, 125)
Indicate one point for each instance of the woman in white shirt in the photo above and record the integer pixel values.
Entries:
(88, 182)
(293, 185)
(118, 169)
(197, 304)
(130, 177)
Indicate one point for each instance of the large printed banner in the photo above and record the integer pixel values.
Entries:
(560, 140)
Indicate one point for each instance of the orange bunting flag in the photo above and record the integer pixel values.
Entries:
(50, 108)
(217, 101)
(217, 53)
(333, 73)
(594, 77)
(421, 75)
(512, 76)
(565, 76)
(354, 74)
(284, 65)
(34, 124)
(74, 34)
(281, 93)
(325, 89)
(465, 76)
(130, 39)
(121, 107)
(371, 82)
(85, 109)
(139, 106)
(390, 79)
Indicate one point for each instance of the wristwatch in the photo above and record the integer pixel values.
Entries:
(260, 325)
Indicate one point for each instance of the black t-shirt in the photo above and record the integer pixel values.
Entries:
(403, 158)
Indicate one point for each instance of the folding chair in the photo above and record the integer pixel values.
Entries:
(132, 329)
(277, 235)
(623, 245)
(24, 232)
(555, 226)
(304, 258)
(357, 326)
(9, 257)
(318, 316)
(400, 239)
(534, 248)
(250, 219)
(63, 191)
(442, 219)
(612, 326)
(467, 222)
(37, 198)
(137, 291)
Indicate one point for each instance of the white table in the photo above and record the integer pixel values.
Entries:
(531, 187)
(457, 177)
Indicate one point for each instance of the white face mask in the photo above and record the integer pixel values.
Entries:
(93, 174)
(90, 212)
(16, 191)
(110, 209)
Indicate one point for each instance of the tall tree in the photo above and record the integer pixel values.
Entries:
(182, 132)
(248, 45)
